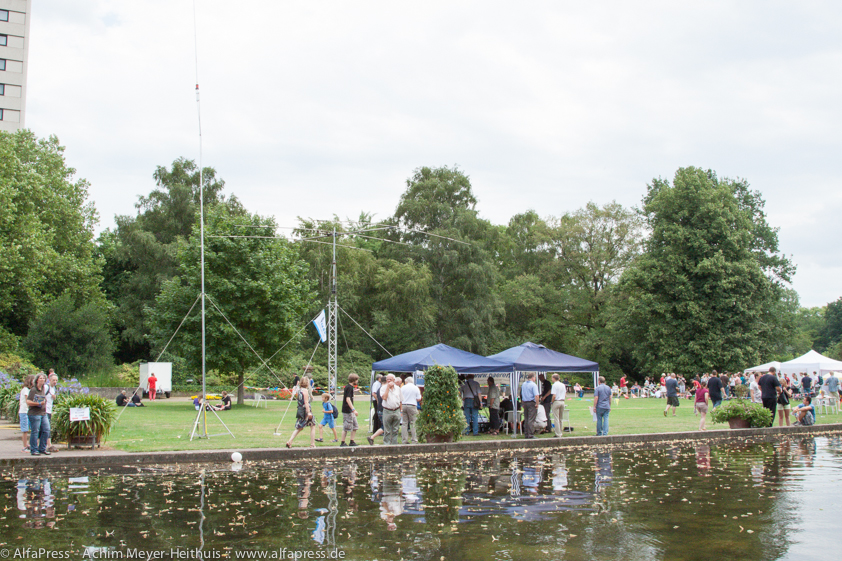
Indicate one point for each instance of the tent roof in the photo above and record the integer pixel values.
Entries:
(764, 367)
(810, 362)
(530, 357)
(422, 359)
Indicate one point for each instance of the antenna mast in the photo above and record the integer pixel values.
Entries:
(204, 428)
(332, 320)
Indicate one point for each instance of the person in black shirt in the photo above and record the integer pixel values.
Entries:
(715, 389)
(349, 412)
(122, 400)
(546, 397)
(770, 387)
(136, 401)
(226, 403)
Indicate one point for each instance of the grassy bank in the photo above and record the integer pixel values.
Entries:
(166, 424)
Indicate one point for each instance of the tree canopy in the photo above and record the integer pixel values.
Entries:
(704, 292)
(46, 231)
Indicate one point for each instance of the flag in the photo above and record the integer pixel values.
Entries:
(321, 325)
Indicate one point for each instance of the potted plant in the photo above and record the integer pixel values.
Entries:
(441, 418)
(742, 414)
(103, 415)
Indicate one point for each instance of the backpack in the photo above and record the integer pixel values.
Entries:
(335, 411)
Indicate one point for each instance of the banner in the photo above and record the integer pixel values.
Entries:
(321, 325)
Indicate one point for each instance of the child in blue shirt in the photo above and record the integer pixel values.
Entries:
(327, 409)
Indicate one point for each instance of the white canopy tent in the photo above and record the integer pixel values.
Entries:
(811, 362)
(765, 367)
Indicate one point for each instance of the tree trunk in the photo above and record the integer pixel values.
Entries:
(241, 393)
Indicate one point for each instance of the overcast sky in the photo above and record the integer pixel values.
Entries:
(322, 108)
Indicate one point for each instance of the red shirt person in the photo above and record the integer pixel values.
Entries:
(152, 381)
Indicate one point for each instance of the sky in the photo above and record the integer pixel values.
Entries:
(317, 109)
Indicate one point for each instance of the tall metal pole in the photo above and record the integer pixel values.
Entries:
(204, 433)
(332, 319)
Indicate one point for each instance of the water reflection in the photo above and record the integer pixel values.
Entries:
(37, 503)
(602, 503)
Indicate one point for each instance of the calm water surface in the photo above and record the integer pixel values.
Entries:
(691, 501)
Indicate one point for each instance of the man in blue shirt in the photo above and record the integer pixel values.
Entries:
(529, 394)
(602, 406)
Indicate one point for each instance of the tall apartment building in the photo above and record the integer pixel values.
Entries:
(14, 53)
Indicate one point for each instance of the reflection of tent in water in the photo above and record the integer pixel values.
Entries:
(520, 496)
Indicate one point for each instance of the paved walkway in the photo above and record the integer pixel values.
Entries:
(11, 455)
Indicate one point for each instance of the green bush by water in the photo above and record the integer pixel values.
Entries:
(441, 413)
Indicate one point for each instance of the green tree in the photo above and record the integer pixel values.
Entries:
(74, 339)
(830, 333)
(46, 231)
(705, 290)
(560, 275)
(259, 285)
(443, 232)
(141, 253)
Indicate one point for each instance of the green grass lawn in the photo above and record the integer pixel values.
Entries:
(166, 424)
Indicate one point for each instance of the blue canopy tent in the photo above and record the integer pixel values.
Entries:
(420, 360)
(530, 357)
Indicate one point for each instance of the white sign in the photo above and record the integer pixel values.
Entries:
(80, 414)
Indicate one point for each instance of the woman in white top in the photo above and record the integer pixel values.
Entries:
(23, 411)
(754, 389)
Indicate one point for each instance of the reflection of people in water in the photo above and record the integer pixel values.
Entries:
(531, 478)
(411, 491)
(703, 459)
(36, 500)
(391, 503)
(604, 470)
(559, 475)
(304, 483)
(349, 475)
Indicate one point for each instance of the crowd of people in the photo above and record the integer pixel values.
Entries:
(785, 396)
(36, 411)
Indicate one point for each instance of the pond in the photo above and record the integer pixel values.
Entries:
(686, 501)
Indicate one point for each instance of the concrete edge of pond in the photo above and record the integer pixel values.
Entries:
(128, 459)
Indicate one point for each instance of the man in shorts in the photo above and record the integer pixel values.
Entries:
(672, 394)
(349, 412)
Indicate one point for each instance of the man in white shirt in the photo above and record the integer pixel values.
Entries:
(410, 398)
(559, 393)
(391, 394)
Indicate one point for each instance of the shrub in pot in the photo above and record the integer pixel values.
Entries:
(103, 416)
(441, 418)
(754, 414)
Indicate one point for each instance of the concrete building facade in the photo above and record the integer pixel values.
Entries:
(14, 54)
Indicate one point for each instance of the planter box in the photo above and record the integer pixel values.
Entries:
(85, 441)
(438, 438)
(736, 423)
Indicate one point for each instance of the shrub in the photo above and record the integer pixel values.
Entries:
(103, 416)
(16, 367)
(441, 411)
(9, 396)
(755, 413)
